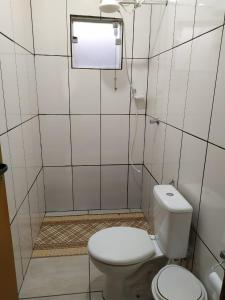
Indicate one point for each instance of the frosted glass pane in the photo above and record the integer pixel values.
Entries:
(96, 45)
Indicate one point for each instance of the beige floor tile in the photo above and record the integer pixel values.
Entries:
(92, 296)
(67, 213)
(107, 211)
(96, 278)
(56, 276)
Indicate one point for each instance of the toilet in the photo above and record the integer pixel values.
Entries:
(135, 263)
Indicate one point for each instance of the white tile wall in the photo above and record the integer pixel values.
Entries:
(202, 83)
(32, 147)
(84, 100)
(154, 148)
(6, 25)
(115, 97)
(56, 144)
(191, 171)
(184, 21)
(52, 83)
(86, 187)
(18, 164)
(139, 79)
(137, 125)
(9, 78)
(58, 188)
(147, 195)
(41, 194)
(50, 27)
(171, 155)
(34, 211)
(114, 133)
(135, 187)
(85, 140)
(152, 86)
(163, 84)
(3, 127)
(178, 85)
(22, 24)
(26, 83)
(217, 122)
(141, 31)
(114, 187)
(25, 234)
(209, 14)
(211, 218)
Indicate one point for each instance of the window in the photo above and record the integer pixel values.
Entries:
(96, 43)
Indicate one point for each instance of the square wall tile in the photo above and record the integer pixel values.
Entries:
(204, 261)
(142, 31)
(9, 82)
(171, 155)
(50, 28)
(135, 187)
(201, 85)
(137, 131)
(6, 25)
(17, 252)
(178, 85)
(212, 209)
(84, 100)
(209, 15)
(55, 139)
(115, 94)
(32, 148)
(34, 211)
(217, 122)
(139, 81)
(191, 171)
(86, 187)
(9, 183)
(25, 234)
(154, 148)
(184, 21)
(85, 140)
(22, 23)
(3, 127)
(114, 132)
(58, 189)
(152, 85)
(159, 107)
(114, 187)
(52, 83)
(16, 145)
(26, 83)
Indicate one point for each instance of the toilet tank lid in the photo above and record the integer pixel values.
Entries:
(171, 200)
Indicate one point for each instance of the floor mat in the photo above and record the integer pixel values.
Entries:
(69, 235)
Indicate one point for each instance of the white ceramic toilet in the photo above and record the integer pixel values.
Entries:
(132, 261)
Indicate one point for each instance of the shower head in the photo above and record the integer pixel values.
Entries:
(109, 6)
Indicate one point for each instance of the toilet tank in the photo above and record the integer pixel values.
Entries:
(172, 221)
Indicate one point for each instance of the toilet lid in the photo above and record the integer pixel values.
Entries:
(175, 283)
(121, 246)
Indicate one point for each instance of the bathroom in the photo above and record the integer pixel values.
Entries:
(87, 133)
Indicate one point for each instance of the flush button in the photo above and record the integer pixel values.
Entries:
(170, 194)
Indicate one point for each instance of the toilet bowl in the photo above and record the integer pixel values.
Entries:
(175, 283)
(130, 258)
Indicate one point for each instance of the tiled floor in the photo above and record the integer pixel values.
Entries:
(72, 277)
(64, 278)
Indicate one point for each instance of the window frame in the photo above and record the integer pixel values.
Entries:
(96, 19)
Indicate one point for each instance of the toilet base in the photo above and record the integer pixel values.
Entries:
(137, 286)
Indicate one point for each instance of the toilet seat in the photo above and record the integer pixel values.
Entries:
(121, 246)
(174, 283)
